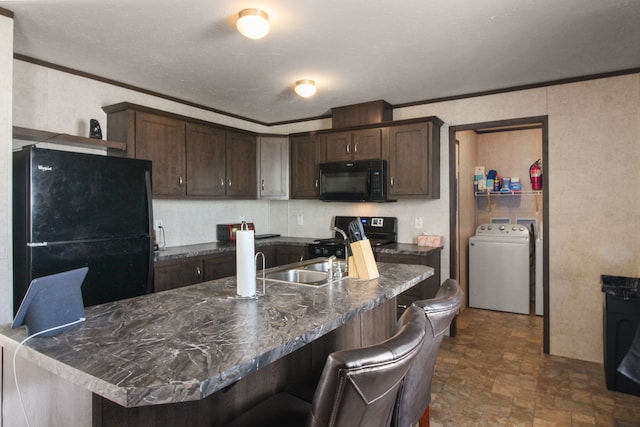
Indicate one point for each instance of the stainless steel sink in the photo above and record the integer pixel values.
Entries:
(313, 272)
(307, 277)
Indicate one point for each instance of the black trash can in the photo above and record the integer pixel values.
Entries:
(621, 321)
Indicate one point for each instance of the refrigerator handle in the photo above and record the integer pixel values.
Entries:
(147, 179)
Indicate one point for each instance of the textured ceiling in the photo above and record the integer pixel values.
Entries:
(356, 50)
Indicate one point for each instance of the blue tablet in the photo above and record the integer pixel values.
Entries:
(52, 301)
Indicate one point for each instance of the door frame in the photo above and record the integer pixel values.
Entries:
(453, 201)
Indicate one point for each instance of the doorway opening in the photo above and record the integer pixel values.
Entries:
(467, 210)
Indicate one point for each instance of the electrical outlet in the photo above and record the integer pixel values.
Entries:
(159, 224)
(241, 218)
(418, 222)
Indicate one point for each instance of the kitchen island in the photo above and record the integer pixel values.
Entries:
(195, 355)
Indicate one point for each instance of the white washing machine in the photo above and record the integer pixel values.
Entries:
(500, 258)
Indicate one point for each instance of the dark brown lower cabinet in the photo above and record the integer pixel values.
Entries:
(424, 290)
(287, 254)
(219, 266)
(176, 274)
(188, 271)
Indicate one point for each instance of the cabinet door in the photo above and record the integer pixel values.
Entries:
(424, 290)
(173, 275)
(366, 144)
(357, 145)
(161, 140)
(241, 165)
(219, 266)
(205, 160)
(274, 167)
(339, 146)
(414, 162)
(290, 254)
(305, 173)
(270, 259)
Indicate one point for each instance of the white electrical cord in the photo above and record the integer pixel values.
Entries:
(15, 372)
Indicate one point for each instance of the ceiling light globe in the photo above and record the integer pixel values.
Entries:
(305, 88)
(253, 23)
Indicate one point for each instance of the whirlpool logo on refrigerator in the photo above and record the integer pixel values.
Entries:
(45, 168)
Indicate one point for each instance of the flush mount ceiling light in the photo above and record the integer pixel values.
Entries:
(305, 88)
(253, 23)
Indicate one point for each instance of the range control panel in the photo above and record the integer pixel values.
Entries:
(375, 227)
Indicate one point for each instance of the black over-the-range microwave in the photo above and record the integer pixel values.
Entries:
(357, 181)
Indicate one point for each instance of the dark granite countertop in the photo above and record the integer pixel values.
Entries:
(407, 249)
(203, 249)
(187, 343)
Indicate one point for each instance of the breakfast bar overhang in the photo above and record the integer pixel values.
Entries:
(195, 355)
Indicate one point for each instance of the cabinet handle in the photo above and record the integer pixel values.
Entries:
(229, 180)
(263, 185)
(391, 182)
(198, 272)
(316, 184)
(180, 180)
(403, 306)
(348, 148)
(355, 148)
(222, 183)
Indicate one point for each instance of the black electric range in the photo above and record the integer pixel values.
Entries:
(379, 230)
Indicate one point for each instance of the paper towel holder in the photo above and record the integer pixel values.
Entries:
(264, 280)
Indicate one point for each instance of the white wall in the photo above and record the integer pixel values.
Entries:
(594, 149)
(6, 88)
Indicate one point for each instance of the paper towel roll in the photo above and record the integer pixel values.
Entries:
(245, 263)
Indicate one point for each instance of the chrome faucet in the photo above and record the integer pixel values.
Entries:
(344, 235)
(330, 267)
(346, 248)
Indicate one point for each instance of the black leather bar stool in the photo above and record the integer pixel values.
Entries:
(357, 388)
(415, 396)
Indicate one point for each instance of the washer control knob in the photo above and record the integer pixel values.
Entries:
(489, 228)
(514, 228)
(501, 228)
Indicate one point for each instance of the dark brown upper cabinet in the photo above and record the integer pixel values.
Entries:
(411, 148)
(191, 159)
(413, 155)
(206, 158)
(355, 145)
(306, 156)
(161, 140)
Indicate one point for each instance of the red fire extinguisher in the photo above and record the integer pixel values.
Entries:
(535, 173)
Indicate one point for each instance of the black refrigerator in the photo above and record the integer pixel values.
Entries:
(72, 210)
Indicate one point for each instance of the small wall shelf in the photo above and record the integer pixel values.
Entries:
(510, 193)
(499, 194)
(27, 134)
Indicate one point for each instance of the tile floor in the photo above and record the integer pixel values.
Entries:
(495, 374)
